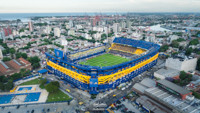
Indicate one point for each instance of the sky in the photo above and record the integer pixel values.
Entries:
(45, 6)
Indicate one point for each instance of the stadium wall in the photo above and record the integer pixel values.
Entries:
(88, 77)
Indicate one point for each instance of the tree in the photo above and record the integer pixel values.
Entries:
(8, 85)
(194, 42)
(24, 55)
(198, 64)
(184, 78)
(12, 50)
(1, 86)
(34, 61)
(189, 51)
(180, 39)
(56, 83)
(36, 65)
(43, 82)
(93, 96)
(182, 75)
(21, 30)
(164, 48)
(3, 79)
(51, 87)
(6, 59)
(175, 44)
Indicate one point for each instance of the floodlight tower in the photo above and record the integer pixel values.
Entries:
(64, 43)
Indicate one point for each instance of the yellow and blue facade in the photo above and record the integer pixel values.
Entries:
(99, 79)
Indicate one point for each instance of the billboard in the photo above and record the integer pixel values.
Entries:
(58, 53)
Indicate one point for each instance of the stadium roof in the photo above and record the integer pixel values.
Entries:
(173, 87)
(43, 71)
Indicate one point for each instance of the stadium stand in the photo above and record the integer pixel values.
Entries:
(96, 79)
(121, 53)
(4, 99)
(87, 52)
(123, 48)
(139, 51)
(32, 97)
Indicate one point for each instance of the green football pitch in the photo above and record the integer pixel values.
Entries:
(104, 60)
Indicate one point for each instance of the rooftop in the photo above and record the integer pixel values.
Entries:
(168, 72)
(173, 87)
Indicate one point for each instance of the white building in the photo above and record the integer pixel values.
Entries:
(172, 38)
(71, 32)
(87, 36)
(136, 36)
(1, 55)
(150, 39)
(48, 30)
(2, 36)
(71, 24)
(79, 27)
(128, 23)
(15, 33)
(30, 25)
(116, 27)
(182, 64)
(97, 36)
(105, 30)
(57, 32)
(123, 24)
(166, 72)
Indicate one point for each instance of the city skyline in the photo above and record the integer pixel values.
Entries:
(36, 6)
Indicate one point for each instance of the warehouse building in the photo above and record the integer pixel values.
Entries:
(14, 66)
(166, 73)
(174, 89)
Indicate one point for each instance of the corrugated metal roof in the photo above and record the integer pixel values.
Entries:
(173, 86)
(17, 62)
(4, 64)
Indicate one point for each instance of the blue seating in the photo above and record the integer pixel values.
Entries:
(31, 97)
(134, 43)
(24, 88)
(4, 99)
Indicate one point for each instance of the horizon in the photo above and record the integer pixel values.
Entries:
(60, 6)
(91, 12)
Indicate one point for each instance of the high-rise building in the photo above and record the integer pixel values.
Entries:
(30, 25)
(57, 32)
(1, 55)
(128, 23)
(71, 24)
(9, 30)
(48, 30)
(115, 27)
(2, 36)
(15, 33)
(96, 20)
(5, 31)
(123, 24)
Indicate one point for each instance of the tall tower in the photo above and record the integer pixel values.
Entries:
(64, 43)
(1, 55)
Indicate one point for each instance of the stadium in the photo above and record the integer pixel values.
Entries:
(105, 67)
